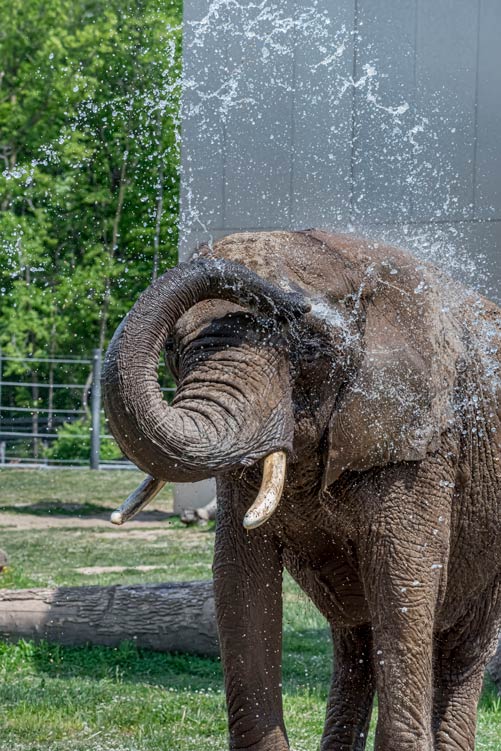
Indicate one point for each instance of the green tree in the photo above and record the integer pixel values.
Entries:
(89, 142)
(89, 170)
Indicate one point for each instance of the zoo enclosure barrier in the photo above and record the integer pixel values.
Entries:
(51, 413)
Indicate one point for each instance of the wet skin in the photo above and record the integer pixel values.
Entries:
(400, 625)
(386, 399)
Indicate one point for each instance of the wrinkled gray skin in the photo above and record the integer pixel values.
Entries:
(386, 398)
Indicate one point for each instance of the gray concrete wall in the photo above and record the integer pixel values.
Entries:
(347, 114)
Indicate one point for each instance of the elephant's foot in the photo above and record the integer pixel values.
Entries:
(332, 744)
(406, 740)
(273, 740)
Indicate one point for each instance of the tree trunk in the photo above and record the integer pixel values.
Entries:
(174, 617)
(35, 395)
(114, 245)
(158, 224)
(50, 396)
(160, 201)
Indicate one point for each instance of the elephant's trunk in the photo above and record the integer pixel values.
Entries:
(190, 442)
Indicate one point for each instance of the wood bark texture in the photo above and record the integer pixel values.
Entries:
(174, 617)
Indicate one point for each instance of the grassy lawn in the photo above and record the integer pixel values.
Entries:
(76, 491)
(99, 699)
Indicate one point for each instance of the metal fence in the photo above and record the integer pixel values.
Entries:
(51, 413)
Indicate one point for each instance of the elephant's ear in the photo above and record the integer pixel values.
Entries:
(399, 400)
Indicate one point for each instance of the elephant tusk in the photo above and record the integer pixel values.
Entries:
(137, 500)
(270, 492)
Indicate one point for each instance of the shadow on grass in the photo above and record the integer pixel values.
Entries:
(125, 663)
(490, 699)
(87, 510)
(60, 509)
(118, 665)
(307, 662)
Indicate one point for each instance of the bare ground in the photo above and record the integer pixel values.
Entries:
(147, 520)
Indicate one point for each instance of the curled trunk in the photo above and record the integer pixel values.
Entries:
(189, 441)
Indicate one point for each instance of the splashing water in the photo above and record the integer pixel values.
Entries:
(304, 116)
(290, 117)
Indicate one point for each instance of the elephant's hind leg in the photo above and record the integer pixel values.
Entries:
(352, 692)
(460, 658)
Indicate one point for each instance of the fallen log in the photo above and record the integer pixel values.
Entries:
(174, 617)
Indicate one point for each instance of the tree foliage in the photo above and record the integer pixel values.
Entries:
(89, 151)
(89, 167)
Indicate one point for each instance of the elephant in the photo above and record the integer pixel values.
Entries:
(346, 396)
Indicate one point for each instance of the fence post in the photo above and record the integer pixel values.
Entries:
(95, 409)
(2, 443)
(1, 383)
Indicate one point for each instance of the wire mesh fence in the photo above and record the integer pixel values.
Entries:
(51, 413)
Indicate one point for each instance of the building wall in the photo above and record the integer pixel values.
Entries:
(383, 118)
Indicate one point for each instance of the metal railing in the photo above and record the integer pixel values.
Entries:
(41, 395)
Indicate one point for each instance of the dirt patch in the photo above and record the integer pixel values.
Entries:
(155, 538)
(91, 570)
(150, 535)
(151, 519)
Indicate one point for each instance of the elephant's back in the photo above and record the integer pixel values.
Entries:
(489, 328)
(332, 265)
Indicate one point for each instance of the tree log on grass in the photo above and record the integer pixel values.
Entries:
(174, 617)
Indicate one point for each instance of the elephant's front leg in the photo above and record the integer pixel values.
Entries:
(404, 686)
(352, 693)
(403, 554)
(402, 594)
(248, 591)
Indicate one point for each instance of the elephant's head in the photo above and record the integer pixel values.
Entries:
(221, 327)
(363, 380)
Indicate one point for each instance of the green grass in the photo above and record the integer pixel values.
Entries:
(56, 698)
(51, 557)
(69, 491)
